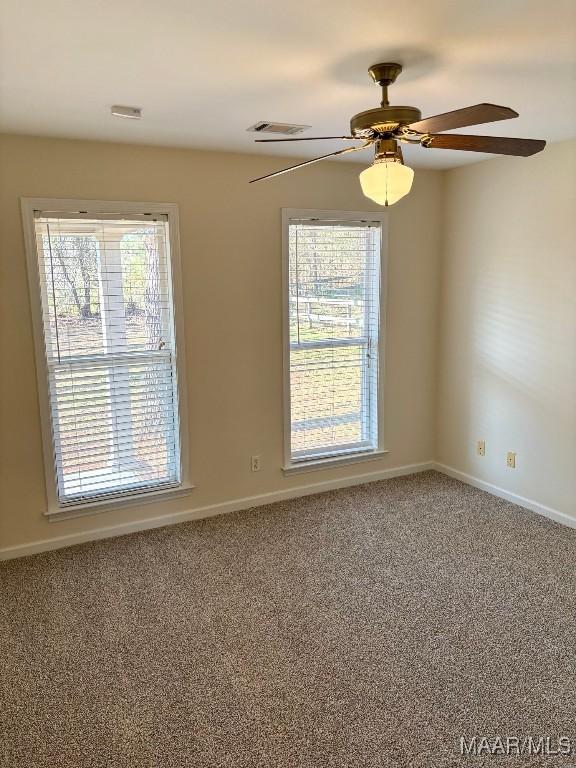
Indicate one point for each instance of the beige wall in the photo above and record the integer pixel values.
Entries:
(508, 324)
(231, 263)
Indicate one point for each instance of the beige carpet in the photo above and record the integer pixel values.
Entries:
(371, 626)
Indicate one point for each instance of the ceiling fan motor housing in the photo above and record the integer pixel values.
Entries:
(383, 120)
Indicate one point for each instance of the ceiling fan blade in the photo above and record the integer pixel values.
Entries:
(460, 118)
(309, 162)
(497, 145)
(308, 138)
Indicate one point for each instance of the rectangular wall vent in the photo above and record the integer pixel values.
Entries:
(265, 126)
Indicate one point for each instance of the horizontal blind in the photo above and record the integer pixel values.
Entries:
(110, 350)
(334, 292)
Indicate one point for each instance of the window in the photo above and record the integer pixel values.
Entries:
(332, 335)
(102, 291)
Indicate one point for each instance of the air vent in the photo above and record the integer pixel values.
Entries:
(265, 126)
(134, 113)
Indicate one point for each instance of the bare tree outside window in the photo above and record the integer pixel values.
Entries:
(77, 262)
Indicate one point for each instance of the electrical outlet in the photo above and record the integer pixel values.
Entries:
(255, 463)
(511, 459)
(481, 448)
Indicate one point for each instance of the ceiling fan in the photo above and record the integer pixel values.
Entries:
(388, 179)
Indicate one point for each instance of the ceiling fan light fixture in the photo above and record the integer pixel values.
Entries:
(387, 180)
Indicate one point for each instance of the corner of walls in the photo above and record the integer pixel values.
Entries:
(438, 348)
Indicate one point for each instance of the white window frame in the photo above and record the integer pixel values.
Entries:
(29, 205)
(357, 455)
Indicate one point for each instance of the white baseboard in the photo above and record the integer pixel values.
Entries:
(533, 506)
(57, 542)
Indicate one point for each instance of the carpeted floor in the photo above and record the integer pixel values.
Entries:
(371, 626)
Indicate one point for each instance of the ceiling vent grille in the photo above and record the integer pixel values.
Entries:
(265, 126)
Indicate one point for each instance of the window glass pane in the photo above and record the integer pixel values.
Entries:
(115, 425)
(143, 280)
(72, 271)
(107, 285)
(328, 272)
(326, 402)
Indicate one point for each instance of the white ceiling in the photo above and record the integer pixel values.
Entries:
(205, 70)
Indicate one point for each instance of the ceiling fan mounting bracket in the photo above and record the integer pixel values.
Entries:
(384, 74)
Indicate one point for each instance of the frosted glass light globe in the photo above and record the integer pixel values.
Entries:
(386, 182)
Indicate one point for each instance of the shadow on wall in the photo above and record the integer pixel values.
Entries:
(519, 377)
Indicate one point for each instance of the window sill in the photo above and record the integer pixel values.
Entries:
(107, 505)
(312, 465)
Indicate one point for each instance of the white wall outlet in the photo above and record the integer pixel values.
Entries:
(255, 463)
(511, 459)
(481, 448)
